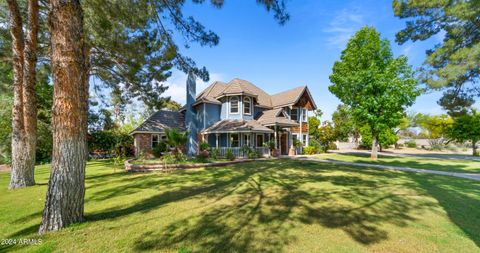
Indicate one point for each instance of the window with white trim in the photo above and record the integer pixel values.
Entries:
(234, 104)
(304, 139)
(247, 105)
(155, 140)
(304, 115)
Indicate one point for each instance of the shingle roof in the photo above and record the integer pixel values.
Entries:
(287, 97)
(275, 117)
(160, 120)
(237, 126)
(210, 93)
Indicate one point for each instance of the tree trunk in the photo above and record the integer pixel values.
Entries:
(374, 155)
(66, 189)
(474, 147)
(29, 82)
(22, 174)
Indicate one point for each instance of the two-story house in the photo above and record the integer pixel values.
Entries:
(232, 115)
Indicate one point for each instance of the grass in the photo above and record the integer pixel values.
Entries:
(451, 164)
(263, 206)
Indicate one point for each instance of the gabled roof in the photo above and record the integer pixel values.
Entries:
(291, 97)
(275, 117)
(160, 120)
(235, 126)
(237, 86)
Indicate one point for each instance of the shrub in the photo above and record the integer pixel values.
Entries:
(204, 154)
(214, 153)
(411, 144)
(169, 158)
(258, 154)
(229, 155)
(437, 146)
(159, 149)
(332, 146)
(309, 150)
(204, 146)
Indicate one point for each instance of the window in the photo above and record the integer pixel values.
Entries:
(247, 105)
(304, 115)
(234, 105)
(294, 114)
(233, 140)
(155, 140)
(259, 140)
(304, 140)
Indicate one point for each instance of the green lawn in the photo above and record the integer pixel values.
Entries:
(452, 165)
(263, 206)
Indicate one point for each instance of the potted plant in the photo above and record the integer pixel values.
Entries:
(271, 145)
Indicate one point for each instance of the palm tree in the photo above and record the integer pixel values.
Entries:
(177, 140)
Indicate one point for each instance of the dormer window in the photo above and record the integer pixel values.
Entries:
(247, 105)
(234, 104)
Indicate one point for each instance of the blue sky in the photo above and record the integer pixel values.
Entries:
(302, 52)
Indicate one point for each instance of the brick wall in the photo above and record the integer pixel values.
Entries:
(143, 144)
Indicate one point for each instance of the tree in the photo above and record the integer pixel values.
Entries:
(386, 137)
(173, 106)
(454, 63)
(434, 128)
(326, 136)
(24, 122)
(344, 125)
(66, 188)
(466, 128)
(376, 86)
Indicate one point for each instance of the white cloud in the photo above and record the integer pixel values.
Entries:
(176, 85)
(344, 24)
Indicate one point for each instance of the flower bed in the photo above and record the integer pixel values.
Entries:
(130, 167)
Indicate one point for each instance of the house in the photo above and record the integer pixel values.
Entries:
(233, 115)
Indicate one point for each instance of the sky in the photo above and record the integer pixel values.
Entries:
(254, 47)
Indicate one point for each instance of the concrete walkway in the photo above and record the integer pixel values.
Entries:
(387, 167)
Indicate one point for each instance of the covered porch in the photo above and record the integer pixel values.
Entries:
(237, 135)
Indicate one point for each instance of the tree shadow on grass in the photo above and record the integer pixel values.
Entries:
(461, 167)
(459, 198)
(260, 214)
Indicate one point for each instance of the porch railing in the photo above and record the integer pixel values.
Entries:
(240, 152)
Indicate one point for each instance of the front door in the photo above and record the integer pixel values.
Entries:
(284, 144)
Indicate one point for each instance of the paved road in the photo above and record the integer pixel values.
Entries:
(440, 156)
(387, 167)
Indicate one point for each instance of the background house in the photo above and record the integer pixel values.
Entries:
(232, 115)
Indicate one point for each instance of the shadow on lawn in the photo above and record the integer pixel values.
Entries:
(262, 205)
(401, 162)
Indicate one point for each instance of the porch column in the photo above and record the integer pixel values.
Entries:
(216, 140)
(276, 141)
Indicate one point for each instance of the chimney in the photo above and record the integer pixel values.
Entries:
(190, 118)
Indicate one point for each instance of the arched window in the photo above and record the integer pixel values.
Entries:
(234, 105)
(247, 105)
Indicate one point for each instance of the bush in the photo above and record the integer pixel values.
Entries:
(229, 155)
(214, 153)
(204, 146)
(159, 149)
(332, 146)
(411, 144)
(309, 150)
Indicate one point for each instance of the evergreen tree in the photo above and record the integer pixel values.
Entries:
(453, 64)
